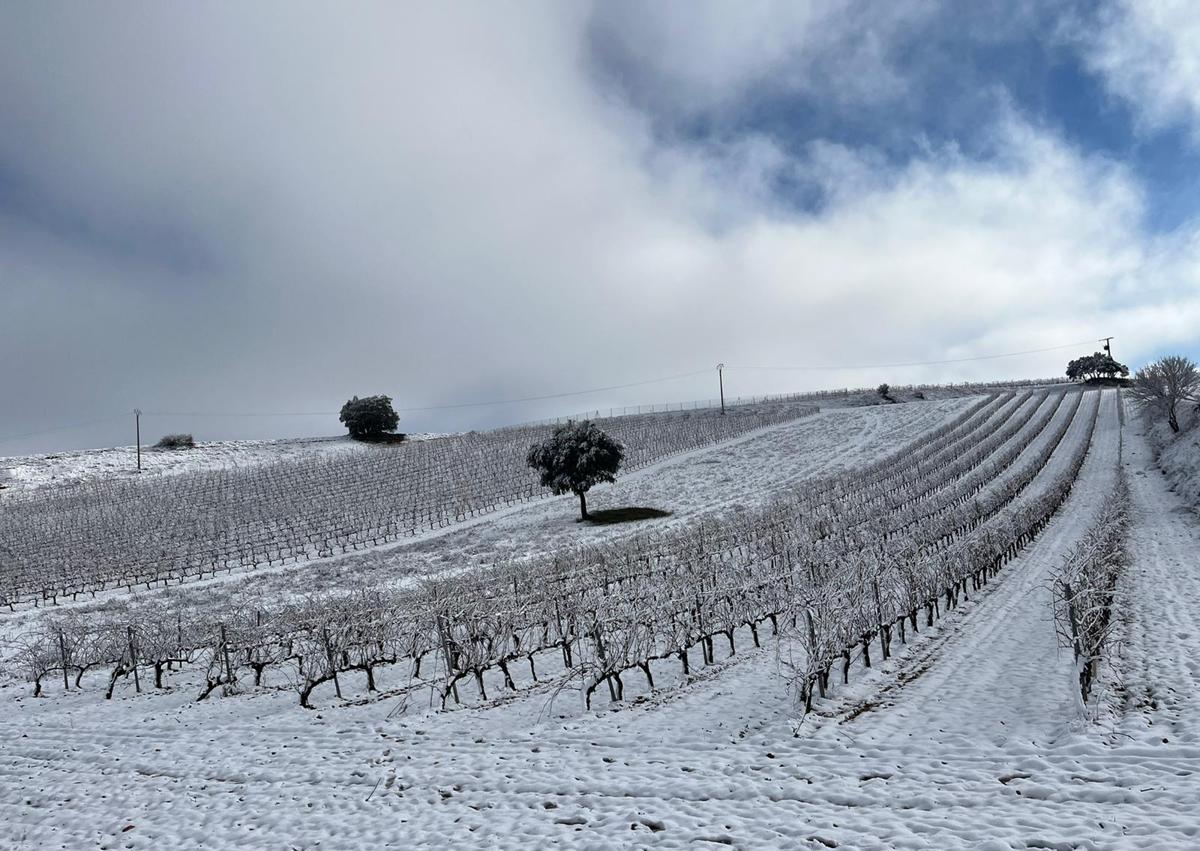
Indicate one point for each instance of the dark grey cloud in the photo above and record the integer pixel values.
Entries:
(270, 207)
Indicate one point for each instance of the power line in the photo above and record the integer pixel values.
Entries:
(434, 407)
(239, 413)
(558, 395)
(918, 363)
(36, 433)
(546, 396)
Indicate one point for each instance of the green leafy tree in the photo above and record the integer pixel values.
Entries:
(576, 457)
(369, 417)
(1098, 365)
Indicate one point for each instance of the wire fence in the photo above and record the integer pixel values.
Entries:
(669, 407)
(964, 388)
(815, 396)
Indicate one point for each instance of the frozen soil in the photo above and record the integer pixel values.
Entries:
(968, 738)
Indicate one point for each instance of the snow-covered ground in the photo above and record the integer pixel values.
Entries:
(969, 738)
(30, 472)
(22, 473)
(1178, 455)
(739, 473)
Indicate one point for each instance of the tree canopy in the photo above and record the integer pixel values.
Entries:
(576, 457)
(1098, 365)
(369, 417)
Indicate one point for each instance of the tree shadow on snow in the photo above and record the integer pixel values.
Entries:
(625, 515)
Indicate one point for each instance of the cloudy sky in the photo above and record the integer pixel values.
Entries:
(221, 209)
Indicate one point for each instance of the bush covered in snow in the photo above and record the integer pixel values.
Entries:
(176, 441)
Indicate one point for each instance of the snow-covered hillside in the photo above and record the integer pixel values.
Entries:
(31, 472)
(968, 736)
(1178, 455)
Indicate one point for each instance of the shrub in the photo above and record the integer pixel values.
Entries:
(575, 457)
(369, 418)
(175, 441)
(885, 392)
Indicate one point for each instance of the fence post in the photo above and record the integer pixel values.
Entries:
(337, 687)
(884, 634)
(133, 660)
(444, 629)
(1074, 621)
(225, 656)
(62, 655)
(812, 644)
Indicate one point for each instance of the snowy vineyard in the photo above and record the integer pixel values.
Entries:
(120, 534)
(838, 564)
(1085, 588)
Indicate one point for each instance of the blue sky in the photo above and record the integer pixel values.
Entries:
(966, 65)
(236, 209)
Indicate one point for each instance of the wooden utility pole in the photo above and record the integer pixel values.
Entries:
(721, 384)
(137, 426)
(1107, 341)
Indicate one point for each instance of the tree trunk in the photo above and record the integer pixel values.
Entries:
(645, 666)
(583, 515)
(1172, 420)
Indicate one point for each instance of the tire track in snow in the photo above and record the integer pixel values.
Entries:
(1159, 666)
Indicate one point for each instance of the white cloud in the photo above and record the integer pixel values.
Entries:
(1149, 54)
(440, 203)
(692, 57)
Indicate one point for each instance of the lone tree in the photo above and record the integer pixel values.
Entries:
(369, 418)
(1098, 365)
(1162, 385)
(885, 392)
(575, 457)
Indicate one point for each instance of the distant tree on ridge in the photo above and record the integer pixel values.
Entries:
(370, 417)
(1098, 365)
